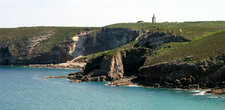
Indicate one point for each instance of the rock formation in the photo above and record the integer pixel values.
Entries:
(84, 43)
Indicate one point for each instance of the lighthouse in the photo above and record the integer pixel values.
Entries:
(153, 19)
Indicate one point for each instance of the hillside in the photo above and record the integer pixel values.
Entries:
(46, 45)
(29, 44)
(21, 34)
(192, 31)
(175, 55)
(203, 48)
(189, 30)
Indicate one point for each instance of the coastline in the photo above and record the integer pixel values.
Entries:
(78, 66)
(127, 82)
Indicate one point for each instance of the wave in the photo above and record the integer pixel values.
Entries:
(216, 96)
(107, 84)
(199, 92)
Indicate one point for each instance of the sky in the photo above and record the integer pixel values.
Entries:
(20, 13)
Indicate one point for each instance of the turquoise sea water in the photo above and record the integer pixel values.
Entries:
(24, 88)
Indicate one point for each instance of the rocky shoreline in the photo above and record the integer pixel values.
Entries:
(133, 82)
(78, 66)
(126, 69)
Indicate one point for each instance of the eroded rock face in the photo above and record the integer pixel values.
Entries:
(5, 56)
(108, 38)
(204, 74)
(112, 68)
(154, 40)
(124, 63)
(103, 69)
(133, 59)
(84, 43)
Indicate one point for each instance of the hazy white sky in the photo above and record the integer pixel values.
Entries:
(15, 13)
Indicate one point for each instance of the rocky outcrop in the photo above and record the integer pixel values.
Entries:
(128, 63)
(133, 59)
(112, 68)
(187, 75)
(5, 56)
(216, 92)
(84, 43)
(205, 74)
(107, 39)
(15, 53)
(126, 81)
(34, 42)
(154, 40)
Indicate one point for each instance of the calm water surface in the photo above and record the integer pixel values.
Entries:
(24, 88)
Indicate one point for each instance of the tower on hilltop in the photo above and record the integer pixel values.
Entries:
(153, 19)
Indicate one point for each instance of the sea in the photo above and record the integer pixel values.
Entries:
(24, 88)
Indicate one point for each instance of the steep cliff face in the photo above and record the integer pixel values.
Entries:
(84, 43)
(127, 61)
(106, 39)
(111, 68)
(23, 52)
(5, 56)
(208, 73)
(133, 59)
(128, 64)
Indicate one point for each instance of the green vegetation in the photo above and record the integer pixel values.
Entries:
(113, 52)
(11, 34)
(199, 49)
(189, 30)
(207, 39)
(19, 35)
(60, 34)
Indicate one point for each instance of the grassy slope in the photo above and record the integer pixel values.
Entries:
(207, 40)
(18, 35)
(194, 31)
(189, 30)
(204, 48)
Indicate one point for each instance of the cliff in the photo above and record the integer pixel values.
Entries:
(174, 55)
(159, 59)
(28, 50)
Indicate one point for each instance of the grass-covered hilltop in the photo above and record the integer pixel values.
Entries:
(205, 39)
(175, 55)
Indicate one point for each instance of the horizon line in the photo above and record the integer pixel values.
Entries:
(112, 24)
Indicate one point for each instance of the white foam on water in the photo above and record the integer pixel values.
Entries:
(216, 96)
(107, 84)
(195, 90)
(199, 92)
(178, 89)
(133, 86)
